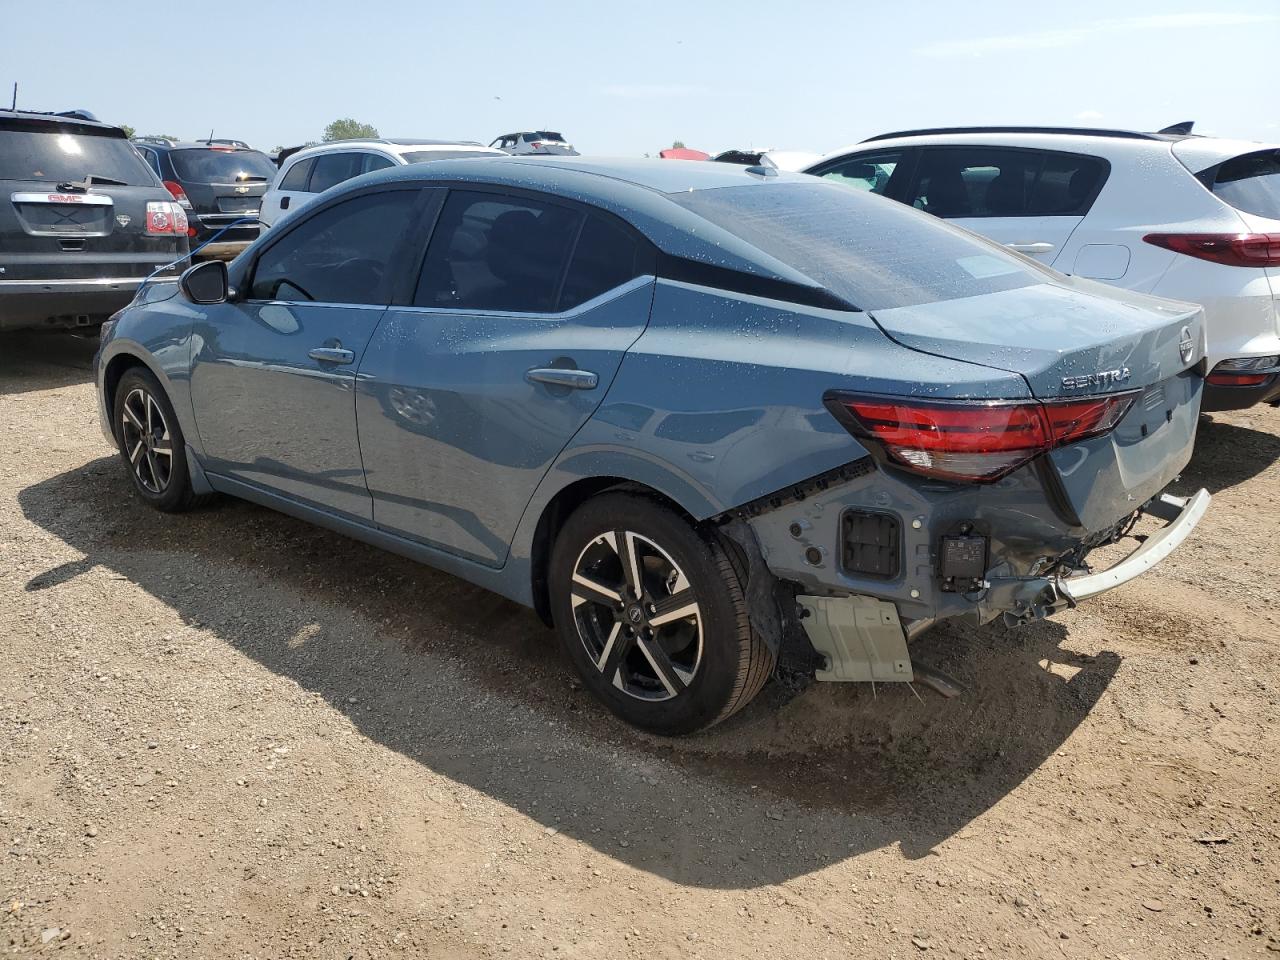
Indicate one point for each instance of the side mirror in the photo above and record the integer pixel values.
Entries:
(205, 282)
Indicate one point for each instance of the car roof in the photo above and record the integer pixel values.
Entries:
(59, 119)
(193, 145)
(1195, 152)
(398, 146)
(591, 174)
(639, 191)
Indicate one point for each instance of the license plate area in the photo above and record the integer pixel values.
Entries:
(64, 214)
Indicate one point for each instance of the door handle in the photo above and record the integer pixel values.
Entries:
(561, 377)
(284, 203)
(331, 355)
(1032, 248)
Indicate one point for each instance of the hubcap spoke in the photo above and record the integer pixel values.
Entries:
(665, 670)
(131, 418)
(678, 606)
(615, 653)
(136, 452)
(161, 448)
(625, 545)
(587, 590)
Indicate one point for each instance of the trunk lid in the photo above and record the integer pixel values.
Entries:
(1061, 342)
(52, 234)
(223, 182)
(1066, 344)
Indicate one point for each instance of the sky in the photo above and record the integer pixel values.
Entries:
(629, 79)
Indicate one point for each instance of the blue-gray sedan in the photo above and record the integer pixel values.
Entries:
(682, 410)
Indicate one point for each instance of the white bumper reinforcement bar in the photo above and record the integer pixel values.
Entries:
(1183, 515)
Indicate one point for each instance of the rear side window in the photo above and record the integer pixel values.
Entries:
(871, 253)
(333, 168)
(870, 172)
(296, 179)
(1250, 183)
(955, 182)
(492, 252)
(375, 161)
(210, 165)
(339, 255)
(36, 150)
(607, 255)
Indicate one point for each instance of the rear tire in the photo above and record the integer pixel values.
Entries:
(151, 443)
(652, 612)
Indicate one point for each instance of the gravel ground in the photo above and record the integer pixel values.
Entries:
(230, 734)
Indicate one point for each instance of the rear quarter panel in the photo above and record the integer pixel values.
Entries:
(720, 400)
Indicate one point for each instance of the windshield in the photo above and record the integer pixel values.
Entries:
(222, 166)
(46, 151)
(874, 253)
(543, 135)
(1251, 183)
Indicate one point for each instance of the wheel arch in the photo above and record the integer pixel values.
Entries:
(113, 372)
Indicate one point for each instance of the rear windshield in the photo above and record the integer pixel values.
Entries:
(543, 135)
(1251, 183)
(874, 253)
(421, 156)
(222, 166)
(60, 154)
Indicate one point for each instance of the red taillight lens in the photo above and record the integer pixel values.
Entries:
(165, 218)
(176, 191)
(974, 441)
(1232, 249)
(1238, 379)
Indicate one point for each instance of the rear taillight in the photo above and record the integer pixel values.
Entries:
(1232, 249)
(537, 144)
(165, 218)
(176, 191)
(976, 441)
(1244, 371)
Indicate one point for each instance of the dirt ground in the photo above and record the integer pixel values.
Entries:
(230, 734)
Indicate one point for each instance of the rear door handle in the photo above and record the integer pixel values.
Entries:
(560, 377)
(1032, 248)
(331, 355)
(284, 203)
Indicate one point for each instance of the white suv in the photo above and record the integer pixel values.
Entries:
(1171, 214)
(312, 171)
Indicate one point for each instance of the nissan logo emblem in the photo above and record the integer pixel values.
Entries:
(1186, 345)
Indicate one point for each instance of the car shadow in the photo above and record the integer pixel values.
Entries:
(806, 776)
(39, 360)
(1227, 455)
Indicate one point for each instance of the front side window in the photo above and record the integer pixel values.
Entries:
(870, 172)
(376, 161)
(500, 253)
(340, 255)
(296, 179)
(334, 168)
(957, 182)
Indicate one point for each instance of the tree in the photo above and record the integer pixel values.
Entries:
(677, 144)
(348, 129)
(159, 136)
(128, 130)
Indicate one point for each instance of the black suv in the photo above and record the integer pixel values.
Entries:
(83, 221)
(217, 182)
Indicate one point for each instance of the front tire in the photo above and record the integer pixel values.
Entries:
(151, 443)
(652, 612)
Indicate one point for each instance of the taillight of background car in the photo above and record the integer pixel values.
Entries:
(976, 441)
(176, 191)
(166, 218)
(1232, 249)
(1244, 372)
